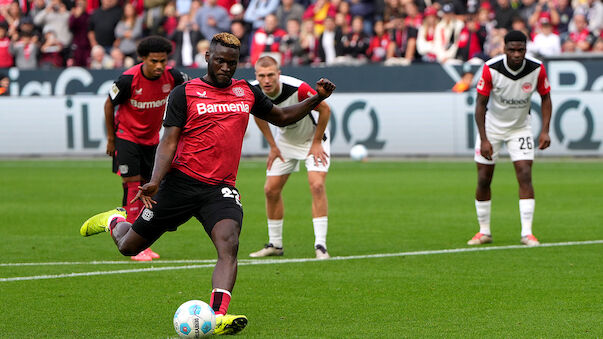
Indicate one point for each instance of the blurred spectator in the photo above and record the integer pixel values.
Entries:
(212, 19)
(4, 84)
(544, 9)
(102, 22)
(413, 18)
(566, 12)
(267, 39)
(51, 55)
(318, 12)
(447, 33)
(343, 18)
(37, 6)
(120, 60)
(128, 30)
(153, 15)
(202, 47)
(356, 43)
(329, 42)
(289, 9)
(393, 9)
(518, 24)
(472, 39)
(291, 49)
(257, 10)
(308, 41)
(99, 59)
(169, 21)
(379, 43)
(426, 35)
(12, 15)
(495, 42)
(504, 13)
(26, 26)
(237, 12)
(186, 37)
(25, 50)
(6, 58)
(464, 84)
(183, 7)
(404, 47)
(594, 16)
(364, 9)
(528, 8)
(227, 4)
(195, 6)
(546, 43)
(598, 46)
(238, 29)
(55, 18)
(78, 25)
(580, 38)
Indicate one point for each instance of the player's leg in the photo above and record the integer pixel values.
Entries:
(483, 193)
(276, 178)
(521, 150)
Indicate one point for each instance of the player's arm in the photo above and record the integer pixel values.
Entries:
(163, 161)
(290, 114)
(110, 126)
(544, 141)
(274, 151)
(480, 120)
(316, 149)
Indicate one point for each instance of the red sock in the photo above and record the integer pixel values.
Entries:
(114, 223)
(219, 300)
(134, 209)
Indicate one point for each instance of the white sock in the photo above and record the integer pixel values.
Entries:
(526, 210)
(320, 230)
(482, 209)
(275, 232)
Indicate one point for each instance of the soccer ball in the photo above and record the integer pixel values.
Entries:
(358, 152)
(194, 319)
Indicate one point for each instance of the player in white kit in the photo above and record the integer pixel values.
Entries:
(502, 114)
(306, 140)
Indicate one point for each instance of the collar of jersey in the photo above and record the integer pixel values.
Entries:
(509, 68)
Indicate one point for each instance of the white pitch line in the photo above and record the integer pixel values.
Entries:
(247, 262)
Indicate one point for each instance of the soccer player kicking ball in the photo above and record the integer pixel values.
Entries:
(509, 79)
(303, 140)
(140, 94)
(196, 168)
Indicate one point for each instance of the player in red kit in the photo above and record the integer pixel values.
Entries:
(196, 166)
(140, 95)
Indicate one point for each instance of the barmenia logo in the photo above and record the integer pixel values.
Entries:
(203, 108)
(147, 104)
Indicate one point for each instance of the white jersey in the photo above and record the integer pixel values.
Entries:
(295, 140)
(510, 92)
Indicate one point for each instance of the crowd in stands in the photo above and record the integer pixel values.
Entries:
(102, 34)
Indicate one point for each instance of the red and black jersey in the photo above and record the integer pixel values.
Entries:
(213, 122)
(142, 103)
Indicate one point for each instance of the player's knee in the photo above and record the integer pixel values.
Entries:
(317, 188)
(483, 182)
(271, 192)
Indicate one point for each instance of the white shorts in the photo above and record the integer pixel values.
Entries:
(519, 143)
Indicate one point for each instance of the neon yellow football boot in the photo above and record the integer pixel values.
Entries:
(100, 222)
(230, 324)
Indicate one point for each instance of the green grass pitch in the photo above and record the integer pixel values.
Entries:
(379, 207)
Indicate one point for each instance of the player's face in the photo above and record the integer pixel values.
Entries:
(154, 64)
(516, 52)
(222, 63)
(268, 79)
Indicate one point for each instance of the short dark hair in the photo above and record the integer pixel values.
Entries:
(515, 36)
(153, 44)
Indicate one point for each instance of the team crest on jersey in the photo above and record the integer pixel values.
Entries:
(526, 87)
(147, 214)
(238, 91)
(166, 88)
(123, 169)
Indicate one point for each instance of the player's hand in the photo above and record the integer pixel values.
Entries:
(273, 154)
(324, 87)
(544, 141)
(486, 149)
(110, 147)
(146, 193)
(318, 153)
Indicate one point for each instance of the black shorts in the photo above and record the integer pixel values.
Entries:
(181, 197)
(132, 159)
